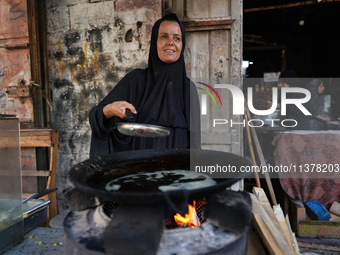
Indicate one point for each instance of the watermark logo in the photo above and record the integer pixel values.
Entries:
(204, 97)
(240, 101)
(213, 90)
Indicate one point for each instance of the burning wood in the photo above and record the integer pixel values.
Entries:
(190, 219)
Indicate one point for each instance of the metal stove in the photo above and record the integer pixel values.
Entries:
(129, 222)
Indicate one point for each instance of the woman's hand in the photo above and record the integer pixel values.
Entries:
(323, 118)
(118, 109)
(327, 118)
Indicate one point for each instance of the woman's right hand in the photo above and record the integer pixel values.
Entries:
(118, 109)
(327, 118)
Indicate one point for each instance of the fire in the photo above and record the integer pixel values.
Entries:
(191, 219)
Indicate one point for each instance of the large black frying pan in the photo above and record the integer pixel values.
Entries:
(142, 130)
(91, 176)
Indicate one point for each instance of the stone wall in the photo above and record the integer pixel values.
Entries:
(91, 44)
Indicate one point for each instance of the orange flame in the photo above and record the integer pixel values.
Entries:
(190, 219)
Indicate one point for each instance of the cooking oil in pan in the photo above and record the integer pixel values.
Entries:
(166, 180)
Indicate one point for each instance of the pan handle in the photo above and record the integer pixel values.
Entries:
(129, 115)
(183, 207)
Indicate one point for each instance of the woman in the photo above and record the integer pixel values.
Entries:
(314, 106)
(161, 94)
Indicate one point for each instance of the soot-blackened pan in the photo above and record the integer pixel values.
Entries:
(91, 176)
(142, 130)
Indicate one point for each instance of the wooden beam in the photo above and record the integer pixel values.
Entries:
(270, 234)
(266, 235)
(262, 160)
(35, 138)
(193, 23)
(204, 25)
(285, 6)
(40, 173)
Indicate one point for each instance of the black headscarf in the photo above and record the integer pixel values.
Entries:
(167, 86)
(162, 95)
(314, 105)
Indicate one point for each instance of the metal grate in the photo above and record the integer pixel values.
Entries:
(109, 208)
(200, 206)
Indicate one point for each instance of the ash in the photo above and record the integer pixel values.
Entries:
(200, 240)
(87, 227)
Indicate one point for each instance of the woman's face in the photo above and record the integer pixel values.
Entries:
(321, 88)
(169, 42)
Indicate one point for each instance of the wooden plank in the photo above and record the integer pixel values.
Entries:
(267, 237)
(35, 142)
(275, 214)
(255, 246)
(40, 173)
(283, 224)
(321, 229)
(301, 213)
(262, 160)
(296, 214)
(335, 208)
(207, 28)
(207, 25)
(36, 131)
(261, 196)
(43, 137)
(211, 23)
(26, 173)
(276, 237)
(53, 208)
(251, 150)
(35, 138)
(53, 159)
(334, 217)
(293, 237)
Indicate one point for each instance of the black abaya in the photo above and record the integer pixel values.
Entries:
(162, 95)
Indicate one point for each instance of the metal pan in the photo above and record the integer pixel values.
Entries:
(142, 130)
(91, 176)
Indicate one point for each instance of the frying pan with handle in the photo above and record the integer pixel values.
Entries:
(142, 130)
